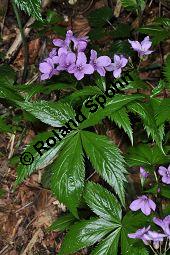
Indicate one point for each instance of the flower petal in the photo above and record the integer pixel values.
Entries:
(81, 59)
(136, 204)
(152, 204)
(45, 68)
(117, 73)
(101, 71)
(145, 208)
(146, 43)
(93, 55)
(162, 170)
(103, 61)
(135, 45)
(44, 76)
(58, 42)
(116, 58)
(110, 68)
(88, 69)
(79, 75)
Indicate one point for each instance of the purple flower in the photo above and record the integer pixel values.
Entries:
(155, 237)
(140, 234)
(80, 68)
(116, 67)
(100, 63)
(143, 47)
(80, 43)
(64, 43)
(144, 204)
(164, 224)
(143, 173)
(66, 60)
(47, 69)
(165, 173)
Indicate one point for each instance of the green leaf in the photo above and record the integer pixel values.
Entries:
(7, 90)
(4, 127)
(32, 7)
(7, 75)
(99, 17)
(158, 89)
(167, 70)
(163, 113)
(106, 160)
(63, 223)
(83, 93)
(133, 4)
(145, 155)
(147, 114)
(121, 118)
(165, 191)
(159, 30)
(54, 114)
(68, 174)
(39, 162)
(85, 233)
(111, 106)
(109, 245)
(103, 203)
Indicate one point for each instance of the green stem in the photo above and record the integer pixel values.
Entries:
(25, 46)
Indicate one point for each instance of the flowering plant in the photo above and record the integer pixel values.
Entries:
(112, 174)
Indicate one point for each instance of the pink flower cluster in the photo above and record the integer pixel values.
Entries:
(69, 56)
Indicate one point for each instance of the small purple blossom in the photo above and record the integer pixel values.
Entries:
(116, 67)
(64, 44)
(143, 47)
(143, 173)
(66, 60)
(47, 69)
(143, 203)
(164, 224)
(80, 68)
(165, 173)
(80, 43)
(140, 234)
(155, 237)
(99, 63)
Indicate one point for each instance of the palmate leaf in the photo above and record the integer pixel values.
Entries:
(167, 70)
(121, 118)
(32, 7)
(81, 94)
(111, 106)
(39, 162)
(85, 233)
(103, 203)
(68, 170)
(146, 112)
(145, 155)
(106, 160)
(109, 245)
(54, 114)
(163, 112)
(104, 230)
(88, 232)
